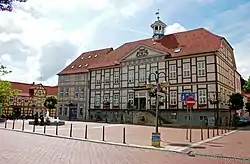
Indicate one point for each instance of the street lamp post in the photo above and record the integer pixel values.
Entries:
(159, 88)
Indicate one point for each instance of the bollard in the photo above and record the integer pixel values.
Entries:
(5, 126)
(34, 128)
(187, 134)
(225, 129)
(13, 125)
(124, 136)
(208, 132)
(56, 128)
(217, 128)
(201, 133)
(70, 130)
(23, 126)
(190, 134)
(103, 133)
(44, 129)
(213, 132)
(86, 132)
(221, 130)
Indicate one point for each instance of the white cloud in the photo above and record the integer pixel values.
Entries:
(39, 37)
(235, 27)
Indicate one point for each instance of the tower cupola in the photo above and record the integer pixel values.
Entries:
(158, 27)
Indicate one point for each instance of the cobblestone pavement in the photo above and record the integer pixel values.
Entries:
(135, 134)
(235, 145)
(25, 148)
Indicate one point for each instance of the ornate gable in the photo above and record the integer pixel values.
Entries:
(142, 51)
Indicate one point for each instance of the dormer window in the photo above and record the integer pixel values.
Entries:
(82, 57)
(95, 56)
(72, 66)
(86, 65)
(80, 66)
(89, 57)
(177, 50)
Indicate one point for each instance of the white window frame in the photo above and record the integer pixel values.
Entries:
(202, 96)
(82, 92)
(201, 68)
(66, 91)
(131, 98)
(39, 92)
(142, 75)
(106, 77)
(19, 100)
(186, 69)
(76, 90)
(116, 77)
(98, 79)
(172, 71)
(61, 92)
(173, 98)
(116, 99)
(131, 75)
(97, 100)
(153, 70)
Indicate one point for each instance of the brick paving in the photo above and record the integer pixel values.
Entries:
(135, 134)
(235, 145)
(24, 148)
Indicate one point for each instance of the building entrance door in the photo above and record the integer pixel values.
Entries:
(73, 113)
(140, 103)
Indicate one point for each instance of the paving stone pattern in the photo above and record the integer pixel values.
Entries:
(25, 148)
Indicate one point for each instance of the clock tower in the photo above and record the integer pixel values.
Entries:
(158, 28)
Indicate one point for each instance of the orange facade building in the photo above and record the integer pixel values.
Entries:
(24, 104)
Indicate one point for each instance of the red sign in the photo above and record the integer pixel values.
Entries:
(190, 101)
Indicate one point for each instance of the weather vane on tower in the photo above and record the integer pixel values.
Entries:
(158, 14)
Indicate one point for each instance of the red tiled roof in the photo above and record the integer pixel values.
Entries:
(24, 88)
(246, 94)
(84, 61)
(191, 42)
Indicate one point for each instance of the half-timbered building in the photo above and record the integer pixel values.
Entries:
(195, 61)
(26, 105)
(192, 61)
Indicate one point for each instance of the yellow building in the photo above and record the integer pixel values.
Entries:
(24, 104)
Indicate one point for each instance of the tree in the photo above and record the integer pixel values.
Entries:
(247, 106)
(50, 102)
(246, 86)
(6, 90)
(236, 101)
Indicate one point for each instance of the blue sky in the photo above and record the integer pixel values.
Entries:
(47, 35)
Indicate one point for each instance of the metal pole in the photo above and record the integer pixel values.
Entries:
(5, 125)
(201, 133)
(86, 132)
(13, 126)
(124, 136)
(70, 131)
(103, 133)
(217, 130)
(208, 132)
(213, 132)
(157, 103)
(56, 128)
(44, 129)
(34, 128)
(23, 126)
(190, 126)
(187, 126)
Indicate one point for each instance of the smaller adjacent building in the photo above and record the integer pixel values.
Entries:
(25, 105)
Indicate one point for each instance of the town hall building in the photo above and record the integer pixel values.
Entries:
(114, 80)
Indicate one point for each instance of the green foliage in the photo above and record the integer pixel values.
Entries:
(6, 90)
(246, 87)
(50, 102)
(236, 101)
(247, 106)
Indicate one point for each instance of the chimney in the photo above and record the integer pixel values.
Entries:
(33, 83)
